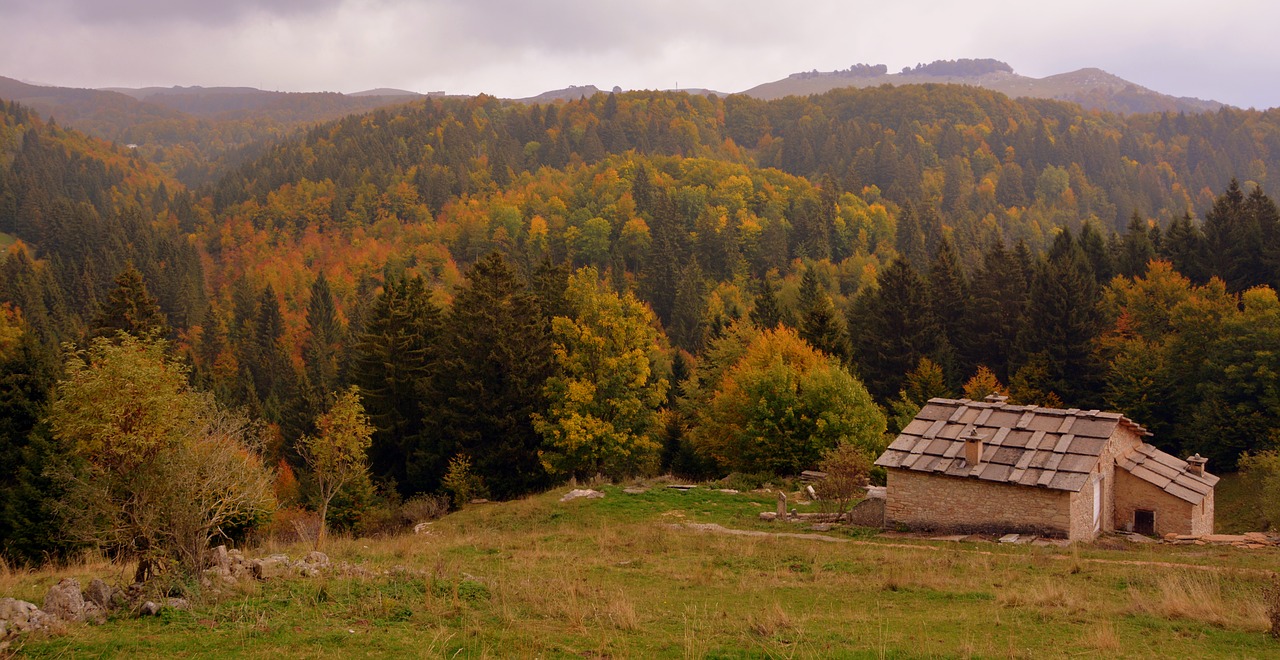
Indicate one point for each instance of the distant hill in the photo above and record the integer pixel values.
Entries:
(388, 91)
(193, 131)
(1091, 88)
(570, 93)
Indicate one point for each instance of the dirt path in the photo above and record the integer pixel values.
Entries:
(713, 528)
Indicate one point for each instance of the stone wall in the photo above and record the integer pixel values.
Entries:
(935, 502)
(1173, 515)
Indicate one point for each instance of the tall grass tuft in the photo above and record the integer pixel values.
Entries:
(1201, 596)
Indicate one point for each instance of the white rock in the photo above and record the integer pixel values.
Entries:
(582, 492)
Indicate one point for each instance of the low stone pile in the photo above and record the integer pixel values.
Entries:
(1252, 540)
(67, 603)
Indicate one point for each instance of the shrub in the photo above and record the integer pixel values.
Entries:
(847, 467)
(462, 483)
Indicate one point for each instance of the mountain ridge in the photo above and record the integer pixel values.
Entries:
(1091, 87)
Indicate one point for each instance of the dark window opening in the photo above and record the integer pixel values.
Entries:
(1144, 522)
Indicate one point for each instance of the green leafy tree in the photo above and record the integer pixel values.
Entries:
(602, 408)
(338, 453)
(780, 405)
(165, 470)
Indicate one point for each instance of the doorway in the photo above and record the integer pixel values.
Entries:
(1144, 522)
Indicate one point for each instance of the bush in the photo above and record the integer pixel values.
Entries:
(462, 483)
(847, 467)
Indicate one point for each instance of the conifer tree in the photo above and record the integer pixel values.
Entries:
(322, 349)
(1065, 321)
(820, 324)
(765, 314)
(1136, 248)
(998, 312)
(892, 328)
(950, 302)
(494, 356)
(391, 369)
(130, 308)
(1186, 248)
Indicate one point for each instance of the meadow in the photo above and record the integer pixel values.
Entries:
(626, 577)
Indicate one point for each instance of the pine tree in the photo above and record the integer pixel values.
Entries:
(1065, 321)
(820, 324)
(1136, 248)
(765, 313)
(1095, 250)
(130, 308)
(998, 312)
(322, 349)
(391, 368)
(892, 328)
(494, 357)
(910, 237)
(1186, 248)
(950, 302)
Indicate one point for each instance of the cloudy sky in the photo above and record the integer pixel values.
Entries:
(1225, 50)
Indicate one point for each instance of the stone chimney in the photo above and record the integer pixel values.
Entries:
(972, 447)
(1195, 465)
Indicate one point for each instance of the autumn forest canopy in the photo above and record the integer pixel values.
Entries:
(628, 284)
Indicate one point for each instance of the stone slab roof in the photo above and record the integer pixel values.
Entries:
(1023, 445)
(1168, 473)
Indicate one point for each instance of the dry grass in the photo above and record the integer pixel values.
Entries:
(1101, 637)
(770, 622)
(1049, 594)
(1206, 597)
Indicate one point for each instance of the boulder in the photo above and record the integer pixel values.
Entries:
(222, 558)
(271, 567)
(178, 603)
(316, 558)
(65, 601)
(99, 593)
(149, 608)
(582, 492)
(19, 616)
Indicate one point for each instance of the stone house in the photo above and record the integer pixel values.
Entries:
(988, 466)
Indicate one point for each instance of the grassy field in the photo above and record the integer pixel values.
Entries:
(622, 577)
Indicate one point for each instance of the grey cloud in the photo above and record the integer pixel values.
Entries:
(150, 12)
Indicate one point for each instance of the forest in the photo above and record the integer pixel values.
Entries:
(627, 284)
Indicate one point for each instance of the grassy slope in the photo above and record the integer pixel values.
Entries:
(612, 578)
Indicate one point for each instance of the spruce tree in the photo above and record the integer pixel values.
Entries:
(391, 368)
(820, 323)
(130, 308)
(950, 302)
(765, 313)
(1065, 321)
(998, 311)
(892, 327)
(322, 349)
(1136, 249)
(494, 356)
(1186, 248)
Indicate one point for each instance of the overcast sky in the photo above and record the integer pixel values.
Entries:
(1226, 50)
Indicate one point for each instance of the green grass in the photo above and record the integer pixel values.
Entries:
(618, 577)
(1236, 509)
(6, 241)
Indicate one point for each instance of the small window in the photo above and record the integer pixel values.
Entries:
(1144, 522)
